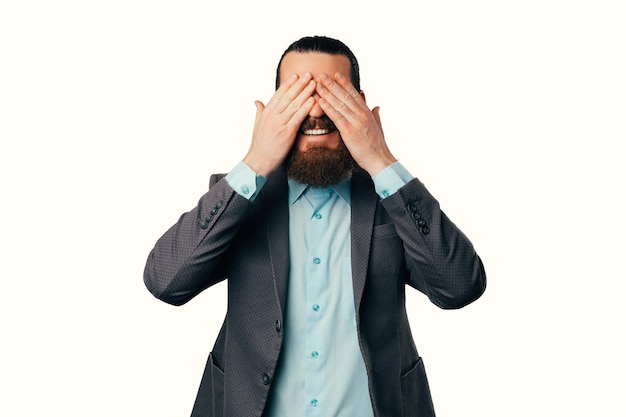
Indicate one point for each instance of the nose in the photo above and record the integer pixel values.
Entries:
(316, 112)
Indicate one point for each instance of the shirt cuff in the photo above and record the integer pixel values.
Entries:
(391, 179)
(245, 181)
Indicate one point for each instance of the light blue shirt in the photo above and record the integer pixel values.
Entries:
(321, 370)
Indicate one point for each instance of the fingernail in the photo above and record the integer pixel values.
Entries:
(293, 77)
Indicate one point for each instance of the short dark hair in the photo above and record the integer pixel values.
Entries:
(325, 45)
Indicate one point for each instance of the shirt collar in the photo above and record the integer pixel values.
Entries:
(296, 189)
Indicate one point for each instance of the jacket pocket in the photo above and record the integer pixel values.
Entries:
(210, 398)
(217, 384)
(416, 400)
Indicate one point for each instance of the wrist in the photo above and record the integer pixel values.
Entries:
(376, 167)
(260, 166)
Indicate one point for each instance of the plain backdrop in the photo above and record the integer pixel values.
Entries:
(113, 114)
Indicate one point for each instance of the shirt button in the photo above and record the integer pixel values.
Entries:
(318, 216)
(315, 354)
(245, 189)
(385, 194)
(278, 325)
(314, 402)
(316, 307)
(317, 261)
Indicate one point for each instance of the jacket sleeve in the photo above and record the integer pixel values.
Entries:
(190, 256)
(441, 261)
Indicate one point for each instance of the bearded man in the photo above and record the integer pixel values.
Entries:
(317, 231)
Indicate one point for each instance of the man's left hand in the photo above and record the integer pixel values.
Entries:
(359, 126)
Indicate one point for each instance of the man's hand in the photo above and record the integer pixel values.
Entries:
(359, 126)
(277, 124)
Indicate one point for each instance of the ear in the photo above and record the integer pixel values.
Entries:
(363, 96)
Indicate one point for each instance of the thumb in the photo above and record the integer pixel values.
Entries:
(259, 108)
(376, 113)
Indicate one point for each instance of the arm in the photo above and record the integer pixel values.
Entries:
(441, 261)
(188, 257)
(192, 254)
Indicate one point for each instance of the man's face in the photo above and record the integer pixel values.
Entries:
(317, 129)
(319, 156)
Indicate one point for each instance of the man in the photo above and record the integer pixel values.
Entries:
(317, 230)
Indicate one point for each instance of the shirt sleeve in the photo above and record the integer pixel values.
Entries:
(245, 181)
(391, 179)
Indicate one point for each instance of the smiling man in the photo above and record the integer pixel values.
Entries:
(318, 230)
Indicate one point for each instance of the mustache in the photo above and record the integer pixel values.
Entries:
(323, 122)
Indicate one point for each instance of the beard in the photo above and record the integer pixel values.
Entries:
(320, 166)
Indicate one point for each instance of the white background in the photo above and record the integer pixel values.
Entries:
(114, 113)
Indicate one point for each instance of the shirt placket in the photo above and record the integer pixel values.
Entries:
(317, 281)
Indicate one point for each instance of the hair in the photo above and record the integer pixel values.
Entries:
(325, 45)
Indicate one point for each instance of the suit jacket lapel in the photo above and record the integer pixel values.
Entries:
(274, 194)
(363, 201)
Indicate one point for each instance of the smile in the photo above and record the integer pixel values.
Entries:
(317, 132)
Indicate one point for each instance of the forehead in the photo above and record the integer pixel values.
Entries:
(317, 63)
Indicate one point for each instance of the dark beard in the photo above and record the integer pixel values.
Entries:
(320, 166)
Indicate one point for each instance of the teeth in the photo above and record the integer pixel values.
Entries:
(316, 132)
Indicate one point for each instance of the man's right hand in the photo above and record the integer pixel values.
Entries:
(276, 125)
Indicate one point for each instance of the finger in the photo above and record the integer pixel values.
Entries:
(334, 105)
(300, 114)
(281, 90)
(301, 98)
(335, 115)
(346, 84)
(287, 93)
(344, 91)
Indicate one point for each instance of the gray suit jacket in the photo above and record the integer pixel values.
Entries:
(403, 239)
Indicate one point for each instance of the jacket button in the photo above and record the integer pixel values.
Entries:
(412, 207)
(425, 230)
(265, 379)
(214, 211)
(204, 225)
(278, 325)
(416, 215)
(421, 222)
